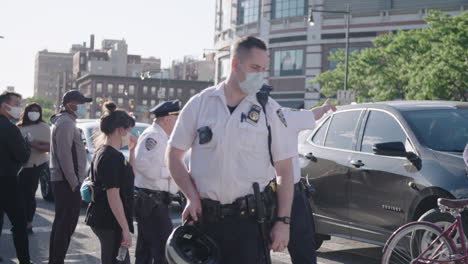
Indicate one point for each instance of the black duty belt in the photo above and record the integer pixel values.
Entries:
(158, 197)
(214, 211)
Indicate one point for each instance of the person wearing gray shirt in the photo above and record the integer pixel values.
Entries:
(68, 165)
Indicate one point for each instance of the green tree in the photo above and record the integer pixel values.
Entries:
(422, 64)
(46, 104)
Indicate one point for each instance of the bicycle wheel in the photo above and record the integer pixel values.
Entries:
(411, 241)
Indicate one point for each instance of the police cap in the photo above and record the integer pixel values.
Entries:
(166, 108)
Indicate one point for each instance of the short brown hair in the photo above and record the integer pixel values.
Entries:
(245, 44)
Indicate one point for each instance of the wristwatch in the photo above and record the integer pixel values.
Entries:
(284, 219)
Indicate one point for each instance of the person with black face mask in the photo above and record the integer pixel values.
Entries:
(67, 166)
(33, 127)
(14, 151)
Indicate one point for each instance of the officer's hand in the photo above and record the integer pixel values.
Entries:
(279, 237)
(329, 106)
(126, 239)
(193, 208)
(133, 143)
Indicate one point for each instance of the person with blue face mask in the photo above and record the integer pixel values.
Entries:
(228, 129)
(67, 167)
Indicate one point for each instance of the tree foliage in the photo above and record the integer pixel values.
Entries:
(422, 64)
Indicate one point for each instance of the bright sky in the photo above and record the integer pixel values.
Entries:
(166, 29)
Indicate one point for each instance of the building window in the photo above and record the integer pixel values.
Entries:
(288, 62)
(171, 92)
(153, 90)
(99, 87)
(223, 15)
(153, 103)
(120, 101)
(145, 89)
(288, 8)
(144, 102)
(121, 88)
(192, 92)
(162, 92)
(131, 89)
(179, 92)
(247, 11)
(223, 68)
(110, 88)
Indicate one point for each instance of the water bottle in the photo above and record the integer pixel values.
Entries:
(122, 254)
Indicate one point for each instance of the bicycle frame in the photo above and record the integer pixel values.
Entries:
(448, 233)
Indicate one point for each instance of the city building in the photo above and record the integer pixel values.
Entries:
(194, 69)
(135, 94)
(49, 67)
(112, 60)
(298, 51)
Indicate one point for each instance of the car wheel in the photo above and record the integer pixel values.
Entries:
(46, 189)
(443, 220)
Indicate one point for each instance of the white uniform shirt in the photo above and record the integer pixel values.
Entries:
(225, 168)
(151, 171)
(298, 120)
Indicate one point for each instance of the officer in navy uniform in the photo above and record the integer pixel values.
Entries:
(226, 128)
(154, 187)
(302, 243)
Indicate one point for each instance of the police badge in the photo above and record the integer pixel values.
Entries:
(280, 114)
(253, 115)
(150, 143)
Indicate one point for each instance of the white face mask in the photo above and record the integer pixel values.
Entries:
(252, 83)
(125, 140)
(34, 116)
(15, 111)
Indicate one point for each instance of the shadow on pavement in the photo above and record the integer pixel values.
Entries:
(371, 255)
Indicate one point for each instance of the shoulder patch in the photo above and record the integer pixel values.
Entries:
(150, 143)
(280, 114)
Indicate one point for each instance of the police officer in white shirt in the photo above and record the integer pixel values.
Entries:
(302, 242)
(226, 129)
(154, 186)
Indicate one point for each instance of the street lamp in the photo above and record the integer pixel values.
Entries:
(347, 14)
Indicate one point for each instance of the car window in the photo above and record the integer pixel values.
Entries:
(341, 130)
(440, 129)
(381, 127)
(320, 135)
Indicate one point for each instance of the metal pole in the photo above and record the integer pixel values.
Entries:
(347, 47)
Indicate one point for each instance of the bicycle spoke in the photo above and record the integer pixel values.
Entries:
(416, 243)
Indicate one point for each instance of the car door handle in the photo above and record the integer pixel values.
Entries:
(310, 156)
(357, 163)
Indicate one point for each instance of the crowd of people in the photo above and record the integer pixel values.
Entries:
(237, 139)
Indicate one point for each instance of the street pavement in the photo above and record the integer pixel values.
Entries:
(84, 247)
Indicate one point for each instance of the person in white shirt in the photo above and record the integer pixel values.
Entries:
(154, 185)
(33, 127)
(226, 129)
(302, 242)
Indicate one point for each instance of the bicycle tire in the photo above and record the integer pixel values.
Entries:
(409, 241)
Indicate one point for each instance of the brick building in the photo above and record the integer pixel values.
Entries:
(298, 51)
(134, 93)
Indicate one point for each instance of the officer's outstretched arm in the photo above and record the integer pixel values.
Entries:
(284, 177)
(181, 176)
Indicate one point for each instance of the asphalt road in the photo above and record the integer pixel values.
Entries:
(85, 248)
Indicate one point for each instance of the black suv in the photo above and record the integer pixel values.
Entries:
(378, 166)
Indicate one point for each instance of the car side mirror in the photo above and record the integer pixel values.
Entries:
(393, 149)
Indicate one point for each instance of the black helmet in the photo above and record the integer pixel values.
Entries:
(188, 245)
